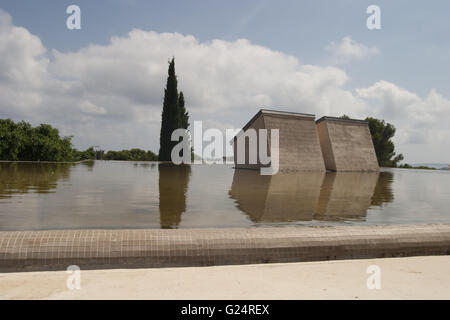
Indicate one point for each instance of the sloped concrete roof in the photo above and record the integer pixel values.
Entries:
(280, 113)
(341, 120)
(272, 112)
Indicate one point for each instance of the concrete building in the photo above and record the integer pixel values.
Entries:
(299, 147)
(346, 144)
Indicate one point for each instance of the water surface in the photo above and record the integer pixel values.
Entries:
(114, 194)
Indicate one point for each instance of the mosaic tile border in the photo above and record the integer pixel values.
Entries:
(153, 248)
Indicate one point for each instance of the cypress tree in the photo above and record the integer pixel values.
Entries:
(170, 114)
(183, 115)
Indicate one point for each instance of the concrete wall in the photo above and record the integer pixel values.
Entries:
(299, 147)
(257, 123)
(325, 145)
(299, 142)
(346, 145)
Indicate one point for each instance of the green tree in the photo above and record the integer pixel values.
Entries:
(20, 141)
(88, 154)
(183, 118)
(12, 138)
(382, 133)
(170, 114)
(130, 155)
(183, 115)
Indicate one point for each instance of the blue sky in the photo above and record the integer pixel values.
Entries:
(414, 37)
(410, 55)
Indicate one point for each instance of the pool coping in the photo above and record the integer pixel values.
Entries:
(157, 248)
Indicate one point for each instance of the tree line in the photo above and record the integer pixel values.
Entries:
(20, 141)
(127, 155)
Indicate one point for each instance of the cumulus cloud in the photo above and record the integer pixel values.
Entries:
(421, 120)
(348, 49)
(90, 108)
(111, 95)
(216, 76)
(23, 67)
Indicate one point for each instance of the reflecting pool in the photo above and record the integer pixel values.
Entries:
(115, 194)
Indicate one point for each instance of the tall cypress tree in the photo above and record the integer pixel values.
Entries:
(183, 115)
(170, 114)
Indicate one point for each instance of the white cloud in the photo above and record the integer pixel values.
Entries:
(348, 49)
(420, 120)
(23, 67)
(90, 108)
(111, 95)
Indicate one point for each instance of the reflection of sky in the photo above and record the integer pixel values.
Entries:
(419, 196)
(123, 195)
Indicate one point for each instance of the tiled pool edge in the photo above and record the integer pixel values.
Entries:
(153, 248)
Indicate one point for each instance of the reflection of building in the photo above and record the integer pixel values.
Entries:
(173, 184)
(299, 147)
(304, 196)
(346, 195)
(346, 144)
(278, 198)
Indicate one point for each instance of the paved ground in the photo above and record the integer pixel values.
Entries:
(401, 278)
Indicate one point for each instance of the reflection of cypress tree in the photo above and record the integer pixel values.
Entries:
(40, 177)
(383, 190)
(173, 185)
(89, 164)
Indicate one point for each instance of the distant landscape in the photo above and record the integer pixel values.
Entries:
(20, 141)
(439, 166)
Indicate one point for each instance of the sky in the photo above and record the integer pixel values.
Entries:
(104, 84)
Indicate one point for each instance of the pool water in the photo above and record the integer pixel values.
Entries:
(115, 194)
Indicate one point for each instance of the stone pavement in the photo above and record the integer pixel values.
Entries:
(400, 278)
